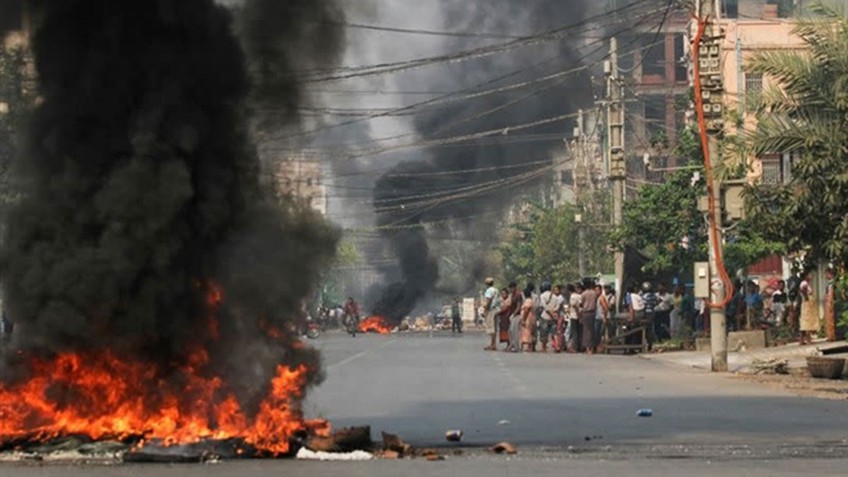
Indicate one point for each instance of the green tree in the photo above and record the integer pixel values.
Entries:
(665, 224)
(806, 115)
(546, 246)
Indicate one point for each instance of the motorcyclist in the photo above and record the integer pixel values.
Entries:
(351, 314)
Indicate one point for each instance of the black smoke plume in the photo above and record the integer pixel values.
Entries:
(479, 216)
(142, 188)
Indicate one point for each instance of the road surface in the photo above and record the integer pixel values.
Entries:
(565, 413)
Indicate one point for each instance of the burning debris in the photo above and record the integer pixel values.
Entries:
(376, 324)
(152, 279)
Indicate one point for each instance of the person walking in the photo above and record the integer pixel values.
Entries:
(489, 312)
(456, 317)
(588, 305)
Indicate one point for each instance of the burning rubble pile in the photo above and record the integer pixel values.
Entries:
(152, 279)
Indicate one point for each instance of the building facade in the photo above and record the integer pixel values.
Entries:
(300, 178)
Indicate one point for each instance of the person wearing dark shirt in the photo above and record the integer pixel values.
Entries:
(456, 317)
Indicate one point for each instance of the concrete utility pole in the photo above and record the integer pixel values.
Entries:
(712, 92)
(615, 153)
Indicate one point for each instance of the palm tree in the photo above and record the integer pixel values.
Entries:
(806, 113)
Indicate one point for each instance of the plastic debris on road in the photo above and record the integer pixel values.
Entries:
(306, 454)
(504, 423)
(645, 413)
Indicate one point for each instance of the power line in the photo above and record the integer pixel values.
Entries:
(480, 52)
(469, 93)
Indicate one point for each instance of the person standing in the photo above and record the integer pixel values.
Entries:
(650, 301)
(511, 318)
(663, 313)
(809, 310)
(675, 318)
(572, 332)
(547, 317)
(528, 320)
(778, 303)
(505, 333)
(489, 312)
(830, 306)
(588, 305)
(558, 342)
(601, 315)
(456, 317)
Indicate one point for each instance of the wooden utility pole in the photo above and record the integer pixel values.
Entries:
(615, 154)
(710, 76)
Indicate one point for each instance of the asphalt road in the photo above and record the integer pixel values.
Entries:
(420, 386)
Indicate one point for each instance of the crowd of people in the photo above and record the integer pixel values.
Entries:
(557, 318)
(575, 317)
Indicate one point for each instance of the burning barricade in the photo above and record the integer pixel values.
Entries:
(376, 324)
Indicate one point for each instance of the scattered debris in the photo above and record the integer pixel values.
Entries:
(504, 423)
(454, 436)
(390, 455)
(645, 412)
(504, 448)
(770, 366)
(345, 440)
(392, 442)
(435, 457)
(306, 454)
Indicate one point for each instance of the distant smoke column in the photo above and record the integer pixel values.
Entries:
(494, 160)
(142, 190)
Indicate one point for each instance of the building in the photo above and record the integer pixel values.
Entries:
(300, 178)
(743, 38)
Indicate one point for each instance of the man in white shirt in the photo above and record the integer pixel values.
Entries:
(490, 312)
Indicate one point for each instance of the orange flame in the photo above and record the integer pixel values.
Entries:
(376, 324)
(104, 397)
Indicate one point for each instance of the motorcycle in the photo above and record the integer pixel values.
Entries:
(351, 324)
(313, 329)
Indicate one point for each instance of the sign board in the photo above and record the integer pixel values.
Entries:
(702, 280)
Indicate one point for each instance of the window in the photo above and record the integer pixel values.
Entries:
(753, 83)
(655, 116)
(681, 70)
(653, 59)
(730, 8)
(772, 170)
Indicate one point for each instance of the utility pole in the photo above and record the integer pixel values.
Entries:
(615, 154)
(710, 79)
(581, 175)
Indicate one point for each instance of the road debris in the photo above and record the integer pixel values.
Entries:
(306, 454)
(393, 442)
(345, 440)
(504, 422)
(453, 436)
(504, 448)
(645, 412)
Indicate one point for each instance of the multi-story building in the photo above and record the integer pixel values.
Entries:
(300, 178)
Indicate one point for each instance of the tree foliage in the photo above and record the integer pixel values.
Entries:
(546, 246)
(806, 114)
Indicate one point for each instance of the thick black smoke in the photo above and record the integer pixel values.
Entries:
(142, 188)
(478, 215)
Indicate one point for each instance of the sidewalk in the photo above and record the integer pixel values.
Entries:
(739, 361)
